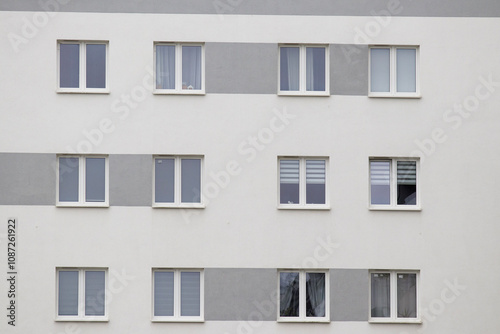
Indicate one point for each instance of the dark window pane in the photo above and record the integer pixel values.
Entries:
(164, 180)
(381, 295)
(68, 179)
(289, 181)
(95, 179)
(68, 293)
(407, 182)
(69, 65)
(94, 293)
(315, 181)
(289, 294)
(407, 295)
(191, 67)
(96, 66)
(289, 68)
(191, 181)
(163, 293)
(380, 178)
(190, 294)
(315, 69)
(315, 294)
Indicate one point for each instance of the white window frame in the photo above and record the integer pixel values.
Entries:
(393, 186)
(83, 70)
(81, 296)
(393, 74)
(81, 182)
(302, 296)
(302, 71)
(178, 70)
(302, 185)
(178, 186)
(394, 298)
(177, 297)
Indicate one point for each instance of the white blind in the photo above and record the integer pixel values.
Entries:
(68, 293)
(380, 173)
(289, 171)
(190, 293)
(315, 171)
(407, 172)
(94, 293)
(163, 293)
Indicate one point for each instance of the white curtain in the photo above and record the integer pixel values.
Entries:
(315, 69)
(381, 295)
(191, 67)
(289, 294)
(289, 69)
(165, 67)
(315, 294)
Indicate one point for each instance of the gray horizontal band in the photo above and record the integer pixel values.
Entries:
(422, 8)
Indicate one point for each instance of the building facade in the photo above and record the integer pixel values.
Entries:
(235, 166)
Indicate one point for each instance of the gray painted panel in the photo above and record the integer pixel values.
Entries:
(130, 180)
(240, 294)
(349, 69)
(444, 8)
(27, 179)
(241, 68)
(349, 294)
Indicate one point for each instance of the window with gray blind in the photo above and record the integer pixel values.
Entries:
(81, 293)
(177, 294)
(82, 66)
(302, 181)
(393, 182)
(393, 71)
(177, 181)
(82, 180)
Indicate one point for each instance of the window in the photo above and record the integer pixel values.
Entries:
(82, 67)
(177, 181)
(303, 296)
(302, 183)
(83, 181)
(394, 71)
(303, 70)
(179, 68)
(177, 295)
(393, 184)
(394, 296)
(81, 294)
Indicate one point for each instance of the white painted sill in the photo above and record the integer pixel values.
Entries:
(395, 321)
(395, 208)
(178, 206)
(303, 320)
(296, 93)
(82, 91)
(79, 319)
(303, 207)
(81, 205)
(395, 96)
(178, 319)
(178, 92)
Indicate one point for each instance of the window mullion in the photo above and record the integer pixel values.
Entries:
(178, 67)
(394, 182)
(394, 297)
(302, 294)
(302, 69)
(177, 293)
(81, 180)
(393, 66)
(81, 293)
(83, 66)
(302, 181)
(177, 181)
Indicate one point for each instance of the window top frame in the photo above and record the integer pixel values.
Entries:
(302, 70)
(178, 69)
(393, 73)
(82, 89)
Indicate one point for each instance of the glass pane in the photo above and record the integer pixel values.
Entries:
(381, 295)
(163, 294)
(69, 65)
(406, 69)
(380, 179)
(68, 293)
(380, 69)
(315, 294)
(164, 180)
(191, 67)
(407, 295)
(407, 182)
(96, 66)
(289, 181)
(289, 294)
(68, 179)
(94, 293)
(190, 294)
(315, 69)
(289, 68)
(315, 181)
(191, 181)
(95, 179)
(165, 67)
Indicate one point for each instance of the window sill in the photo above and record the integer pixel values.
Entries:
(303, 207)
(82, 205)
(179, 206)
(178, 92)
(395, 208)
(395, 96)
(303, 320)
(395, 321)
(78, 319)
(186, 320)
(309, 94)
(81, 91)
